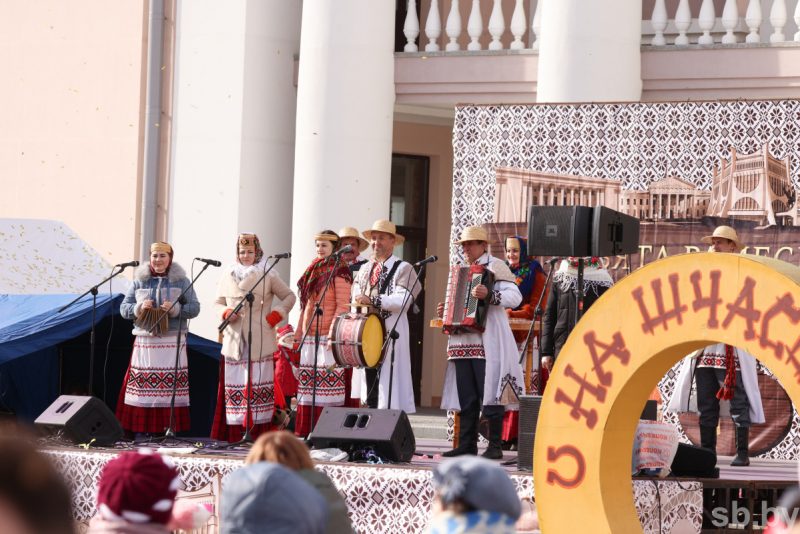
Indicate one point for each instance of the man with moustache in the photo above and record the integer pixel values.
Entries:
(389, 285)
(483, 367)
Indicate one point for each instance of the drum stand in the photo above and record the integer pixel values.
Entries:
(315, 321)
(246, 437)
(169, 433)
(393, 335)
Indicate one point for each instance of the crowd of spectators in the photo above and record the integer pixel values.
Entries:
(279, 487)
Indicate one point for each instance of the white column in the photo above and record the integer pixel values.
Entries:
(590, 51)
(233, 142)
(343, 155)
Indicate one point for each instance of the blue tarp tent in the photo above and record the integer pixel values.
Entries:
(44, 353)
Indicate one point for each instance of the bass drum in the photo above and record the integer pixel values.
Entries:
(358, 340)
(778, 414)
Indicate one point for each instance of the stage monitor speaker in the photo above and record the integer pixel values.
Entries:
(613, 232)
(529, 406)
(693, 461)
(387, 431)
(650, 411)
(559, 230)
(81, 419)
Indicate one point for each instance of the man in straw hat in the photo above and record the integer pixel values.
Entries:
(721, 372)
(354, 260)
(384, 283)
(483, 369)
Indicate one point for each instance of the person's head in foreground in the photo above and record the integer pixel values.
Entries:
(34, 499)
(283, 448)
(472, 494)
(267, 497)
(136, 493)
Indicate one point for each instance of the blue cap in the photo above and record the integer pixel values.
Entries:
(478, 482)
(266, 495)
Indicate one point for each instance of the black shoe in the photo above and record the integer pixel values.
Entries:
(463, 450)
(493, 452)
(741, 460)
(742, 447)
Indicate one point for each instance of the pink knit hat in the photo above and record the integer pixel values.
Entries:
(138, 487)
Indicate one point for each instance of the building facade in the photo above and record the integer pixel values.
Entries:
(191, 121)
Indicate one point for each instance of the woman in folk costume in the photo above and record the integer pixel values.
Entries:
(530, 280)
(530, 277)
(229, 420)
(721, 372)
(328, 389)
(483, 371)
(144, 401)
(559, 315)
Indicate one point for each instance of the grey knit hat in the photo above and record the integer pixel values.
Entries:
(267, 495)
(478, 482)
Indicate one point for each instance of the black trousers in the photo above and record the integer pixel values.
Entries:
(470, 375)
(709, 380)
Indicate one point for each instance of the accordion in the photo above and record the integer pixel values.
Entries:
(462, 311)
(153, 316)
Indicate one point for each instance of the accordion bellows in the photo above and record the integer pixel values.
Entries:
(462, 311)
(150, 317)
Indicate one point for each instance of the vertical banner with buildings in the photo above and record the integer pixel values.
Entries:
(681, 168)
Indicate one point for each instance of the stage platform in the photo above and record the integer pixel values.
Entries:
(394, 498)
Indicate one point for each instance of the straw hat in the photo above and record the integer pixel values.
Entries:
(473, 233)
(387, 227)
(349, 231)
(725, 232)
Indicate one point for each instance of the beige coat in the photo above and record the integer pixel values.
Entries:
(230, 293)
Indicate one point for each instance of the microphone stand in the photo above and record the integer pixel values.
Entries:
(169, 433)
(393, 334)
(315, 322)
(538, 314)
(579, 293)
(93, 290)
(246, 437)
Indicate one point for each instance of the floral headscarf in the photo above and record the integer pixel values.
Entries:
(525, 272)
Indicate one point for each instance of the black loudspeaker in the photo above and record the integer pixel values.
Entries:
(559, 231)
(387, 431)
(529, 406)
(613, 232)
(693, 461)
(81, 419)
(650, 412)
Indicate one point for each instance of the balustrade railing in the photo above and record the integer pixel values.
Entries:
(498, 25)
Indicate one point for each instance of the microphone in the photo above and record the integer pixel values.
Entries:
(215, 263)
(284, 255)
(429, 259)
(344, 250)
(133, 263)
(553, 261)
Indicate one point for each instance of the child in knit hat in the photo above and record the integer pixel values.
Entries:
(136, 493)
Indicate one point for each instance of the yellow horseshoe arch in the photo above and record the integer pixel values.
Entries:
(624, 345)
